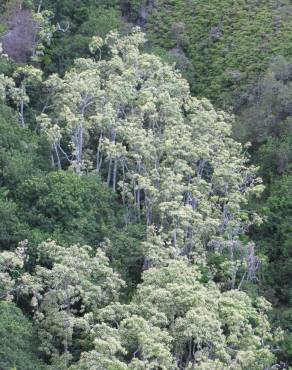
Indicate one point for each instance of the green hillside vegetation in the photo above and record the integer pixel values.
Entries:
(145, 185)
(229, 43)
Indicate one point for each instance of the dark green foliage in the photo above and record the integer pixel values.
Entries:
(283, 318)
(126, 252)
(68, 208)
(88, 18)
(6, 66)
(276, 239)
(22, 152)
(101, 21)
(12, 230)
(73, 209)
(266, 109)
(275, 156)
(229, 43)
(265, 120)
(17, 340)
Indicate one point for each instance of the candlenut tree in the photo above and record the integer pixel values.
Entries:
(176, 322)
(131, 118)
(64, 293)
(16, 88)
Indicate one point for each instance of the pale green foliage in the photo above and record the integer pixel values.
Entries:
(2, 54)
(11, 264)
(66, 290)
(6, 84)
(95, 44)
(44, 33)
(171, 158)
(200, 317)
(173, 322)
(17, 87)
(149, 346)
(176, 322)
(107, 344)
(170, 155)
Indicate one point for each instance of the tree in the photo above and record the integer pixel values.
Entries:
(275, 156)
(68, 208)
(275, 239)
(268, 103)
(17, 340)
(66, 290)
(123, 126)
(175, 321)
(80, 22)
(17, 88)
(169, 155)
(44, 31)
(23, 153)
(12, 230)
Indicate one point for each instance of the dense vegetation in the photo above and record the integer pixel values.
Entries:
(142, 226)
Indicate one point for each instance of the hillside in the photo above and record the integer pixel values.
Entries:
(145, 184)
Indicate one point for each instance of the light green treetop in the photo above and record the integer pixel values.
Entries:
(177, 322)
(170, 156)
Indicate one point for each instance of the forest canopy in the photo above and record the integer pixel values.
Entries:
(145, 185)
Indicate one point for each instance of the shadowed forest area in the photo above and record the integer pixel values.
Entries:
(145, 184)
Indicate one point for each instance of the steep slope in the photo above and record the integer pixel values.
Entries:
(229, 43)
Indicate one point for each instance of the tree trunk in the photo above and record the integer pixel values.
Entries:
(67, 324)
(109, 173)
(40, 6)
(99, 155)
(138, 201)
(21, 113)
(123, 192)
(80, 144)
(115, 174)
(58, 157)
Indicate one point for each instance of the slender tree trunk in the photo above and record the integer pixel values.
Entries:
(80, 144)
(123, 193)
(58, 157)
(138, 192)
(190, 352)
(138, 201)
(99, 164)
(109, 173)
(148, 210)
(21, 113)
(201, 167)
(234, 273)
(175, 236)
(40, 6)
(99, 155)
(115, 174)
(53, 160)
(67, 324)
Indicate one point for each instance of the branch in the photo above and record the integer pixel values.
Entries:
(63, 152)
(13, 290)
(60, 29)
